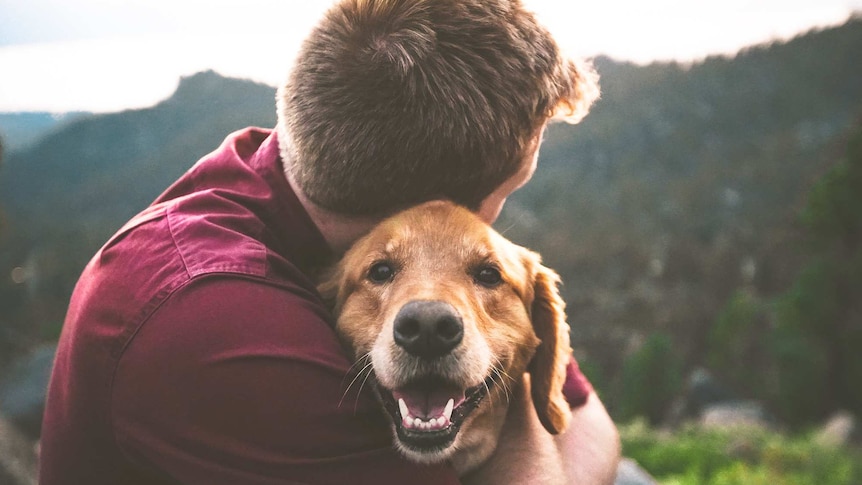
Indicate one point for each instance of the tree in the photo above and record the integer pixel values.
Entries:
(818, 335)
(651, 378)
(736, 341)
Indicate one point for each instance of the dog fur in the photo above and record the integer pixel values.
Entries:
(512, 317)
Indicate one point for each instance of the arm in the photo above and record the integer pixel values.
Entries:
(591, 445)
(587, 453)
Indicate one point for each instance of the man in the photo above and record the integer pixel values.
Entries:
(196, 349)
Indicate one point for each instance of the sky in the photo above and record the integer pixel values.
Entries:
(111, 55)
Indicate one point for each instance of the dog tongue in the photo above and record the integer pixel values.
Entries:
(429, 400)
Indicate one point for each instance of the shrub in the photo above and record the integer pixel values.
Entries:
(736, 341)
(651, 378)
(749, 456)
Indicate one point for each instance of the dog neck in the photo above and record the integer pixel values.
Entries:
(475, 449)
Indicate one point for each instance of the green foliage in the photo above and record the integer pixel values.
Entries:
(807, 358)
(833, 213)
(818, 333)
(736, 341)
(742, 456)
(595, 375)
(799, 345)
(651, 206)
(651, 377)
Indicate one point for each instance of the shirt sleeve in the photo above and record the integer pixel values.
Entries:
(235, 381)
(576, 388)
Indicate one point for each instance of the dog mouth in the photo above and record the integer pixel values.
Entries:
(429, 412)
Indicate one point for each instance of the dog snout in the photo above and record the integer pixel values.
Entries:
(428, 329)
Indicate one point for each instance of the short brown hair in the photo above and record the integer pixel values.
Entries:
(395, 102)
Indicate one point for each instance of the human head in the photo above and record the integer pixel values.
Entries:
(395, 102)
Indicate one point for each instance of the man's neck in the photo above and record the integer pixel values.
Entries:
(339, 231)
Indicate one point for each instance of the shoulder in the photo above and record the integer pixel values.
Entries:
(238, 314)
(243, 372)
(226, 349)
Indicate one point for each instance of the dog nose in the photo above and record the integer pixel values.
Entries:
(428, 329)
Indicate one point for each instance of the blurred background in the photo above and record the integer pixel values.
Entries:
(706, 217)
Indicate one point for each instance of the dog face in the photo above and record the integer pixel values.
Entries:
(450, 315)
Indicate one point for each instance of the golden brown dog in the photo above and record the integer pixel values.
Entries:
(450, 315)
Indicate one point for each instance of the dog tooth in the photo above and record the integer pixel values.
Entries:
(402, 406)
(447, 412)
(441, 421)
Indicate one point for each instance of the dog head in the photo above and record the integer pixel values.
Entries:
(450, 315)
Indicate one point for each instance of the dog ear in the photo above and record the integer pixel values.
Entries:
(549, 364)
(330, 283)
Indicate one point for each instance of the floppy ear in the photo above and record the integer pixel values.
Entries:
(548, 368)
(330, 284)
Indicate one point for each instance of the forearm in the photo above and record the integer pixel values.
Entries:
(590, 446)
(587, 453)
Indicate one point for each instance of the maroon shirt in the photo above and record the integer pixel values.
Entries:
(196, 349)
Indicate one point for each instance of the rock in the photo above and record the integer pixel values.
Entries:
(18, 461)
(839, 430)
(731, 414)
(630, 473)
(702, 390)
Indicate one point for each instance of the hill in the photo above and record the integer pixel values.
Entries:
(101, 170)
(19, 130)
(683, 185)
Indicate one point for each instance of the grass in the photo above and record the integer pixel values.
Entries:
(739, 456)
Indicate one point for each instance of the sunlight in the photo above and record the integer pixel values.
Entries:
(679, 29)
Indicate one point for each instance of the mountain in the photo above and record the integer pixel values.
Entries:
(101, 170)
(681, 187)
(19, 130)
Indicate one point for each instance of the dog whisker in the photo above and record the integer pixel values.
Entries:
(488, 391)
(498, 378)
(501, 368)
(514, 224)
(468, 348)
(360, 360)
(367, 375)
(367, 369)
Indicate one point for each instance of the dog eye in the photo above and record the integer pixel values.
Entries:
(381, 272)
(488, 276)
